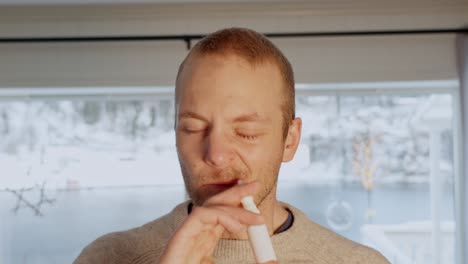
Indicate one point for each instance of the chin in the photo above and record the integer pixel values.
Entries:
(199, 198)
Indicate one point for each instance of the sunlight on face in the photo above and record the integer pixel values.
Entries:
(229, 125)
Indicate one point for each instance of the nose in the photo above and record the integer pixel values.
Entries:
(218, 152)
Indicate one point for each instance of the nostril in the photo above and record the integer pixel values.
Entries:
(216, 159)
(219, 157)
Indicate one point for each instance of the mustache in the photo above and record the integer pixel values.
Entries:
(223, 175)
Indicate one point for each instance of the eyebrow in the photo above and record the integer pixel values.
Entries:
(192, 115)
(253, 117)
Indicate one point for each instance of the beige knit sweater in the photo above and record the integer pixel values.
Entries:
(303, 242)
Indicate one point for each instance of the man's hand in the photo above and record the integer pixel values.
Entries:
(197, 237)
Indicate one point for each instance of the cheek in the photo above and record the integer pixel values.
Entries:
(267, 154)
(187, 147)
(188, 158)
(271, 145)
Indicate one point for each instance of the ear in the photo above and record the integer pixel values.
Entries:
(292, 139)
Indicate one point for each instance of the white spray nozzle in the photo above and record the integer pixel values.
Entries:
(258, 234)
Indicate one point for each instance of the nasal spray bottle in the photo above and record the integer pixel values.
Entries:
(258, 234)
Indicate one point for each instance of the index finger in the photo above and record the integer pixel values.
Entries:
(234, 195)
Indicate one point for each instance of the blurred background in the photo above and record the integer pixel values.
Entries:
(87, 144)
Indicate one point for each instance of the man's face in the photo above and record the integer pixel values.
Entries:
(229, 125)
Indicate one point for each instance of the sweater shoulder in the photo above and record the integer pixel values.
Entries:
(136, 245)
(322, 245)
(107, 249)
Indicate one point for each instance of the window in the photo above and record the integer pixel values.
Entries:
(377, 167)
(375, 164)
(78, 166)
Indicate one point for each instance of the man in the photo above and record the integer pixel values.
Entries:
(235, 121)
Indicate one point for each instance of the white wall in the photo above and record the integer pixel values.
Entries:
(331, 59)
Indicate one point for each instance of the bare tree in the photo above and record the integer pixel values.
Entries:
(23, 202)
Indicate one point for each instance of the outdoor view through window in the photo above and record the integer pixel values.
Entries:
(377, 168)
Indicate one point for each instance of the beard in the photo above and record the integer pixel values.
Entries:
(195, 184)
(199, 193)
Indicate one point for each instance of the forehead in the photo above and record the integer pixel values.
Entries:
(229, 77)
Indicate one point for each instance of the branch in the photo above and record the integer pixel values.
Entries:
(22, 201)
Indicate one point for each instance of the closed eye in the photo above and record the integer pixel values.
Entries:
(247, 137)
(192, 130)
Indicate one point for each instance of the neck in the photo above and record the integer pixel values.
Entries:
(273, 213)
